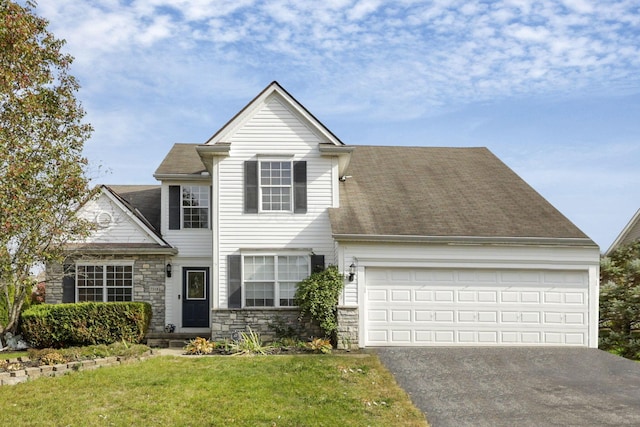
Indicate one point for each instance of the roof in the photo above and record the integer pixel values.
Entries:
(629, 234)
(142, 200)
(442, 193)
(182, 159)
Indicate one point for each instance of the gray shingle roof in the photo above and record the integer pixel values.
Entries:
(181, 159)
(144, 198)
(447, 192)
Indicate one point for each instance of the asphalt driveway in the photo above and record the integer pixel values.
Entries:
(518, 386)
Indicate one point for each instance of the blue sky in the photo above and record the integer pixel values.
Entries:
(551, 87)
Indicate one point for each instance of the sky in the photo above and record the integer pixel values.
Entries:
(551, 87)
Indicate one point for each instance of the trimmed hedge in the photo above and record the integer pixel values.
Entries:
(87, 323)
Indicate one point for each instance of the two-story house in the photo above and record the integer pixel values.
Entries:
(438, 246)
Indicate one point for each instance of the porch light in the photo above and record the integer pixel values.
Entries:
(352, 272)
(169, 269)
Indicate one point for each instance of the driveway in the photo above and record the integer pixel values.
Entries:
(518, 386)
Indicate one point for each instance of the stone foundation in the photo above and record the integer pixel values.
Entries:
(265, 322)
(348, 322)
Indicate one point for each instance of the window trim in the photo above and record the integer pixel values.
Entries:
(105, 288)
(276, 282)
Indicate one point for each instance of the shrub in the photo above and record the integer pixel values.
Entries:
(249, 343)
(320, 345)
(81, 324)
(200, 345)
(317, 295)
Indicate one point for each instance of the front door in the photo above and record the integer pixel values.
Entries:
(195, 297)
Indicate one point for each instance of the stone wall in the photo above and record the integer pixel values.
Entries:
(263, 321)
(148, 283)
(348, 322)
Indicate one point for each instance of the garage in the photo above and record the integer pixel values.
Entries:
(459, 306)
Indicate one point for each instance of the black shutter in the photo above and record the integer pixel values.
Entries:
(69, 283)
(300, 187)
(234, 281)
(317, 263)
(251, 187)
(175, 200)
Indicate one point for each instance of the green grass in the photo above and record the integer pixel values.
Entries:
(303, 390)
(5, 355)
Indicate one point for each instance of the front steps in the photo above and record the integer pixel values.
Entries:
(172, 340)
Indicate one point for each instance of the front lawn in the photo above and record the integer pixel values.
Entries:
(299, 390)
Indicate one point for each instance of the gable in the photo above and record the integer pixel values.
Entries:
(276, 106)
(116, 224)
(629, 234)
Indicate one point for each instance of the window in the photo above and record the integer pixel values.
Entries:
(195, 206)
(189, 206)
(104, 283)
(270, 281)
(275, 186)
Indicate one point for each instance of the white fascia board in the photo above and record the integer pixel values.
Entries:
(133, 217)
(467, 240)
(183, 177)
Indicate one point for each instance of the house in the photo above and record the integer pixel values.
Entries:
(439, 246)
(629, 234)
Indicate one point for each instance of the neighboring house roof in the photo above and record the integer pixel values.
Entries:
(429, 193)
(629, 234)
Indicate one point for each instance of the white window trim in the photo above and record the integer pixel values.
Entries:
(262, 159)
(276, 295)
(182, 207)
(104, 263)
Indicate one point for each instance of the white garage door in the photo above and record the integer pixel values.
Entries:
(422, 307)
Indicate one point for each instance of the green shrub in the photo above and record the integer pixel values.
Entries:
(317, 296)
(82, 324)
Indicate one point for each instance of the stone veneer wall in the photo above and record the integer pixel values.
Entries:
(348, 321)
(262, 321)
(148, 284)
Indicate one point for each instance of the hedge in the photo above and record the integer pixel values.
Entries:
(87, 323)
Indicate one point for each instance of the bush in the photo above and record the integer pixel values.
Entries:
(317, 295)
(82, 324)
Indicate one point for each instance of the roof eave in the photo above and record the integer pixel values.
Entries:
(342, 152)
(88, 250)
(468, 240)
(204, 176)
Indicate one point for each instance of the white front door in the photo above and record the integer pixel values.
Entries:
(423, 307)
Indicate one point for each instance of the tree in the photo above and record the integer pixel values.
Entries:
(43, 176)
(620, 301)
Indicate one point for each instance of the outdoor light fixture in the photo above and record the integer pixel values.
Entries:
(352, 272)
(169, 270)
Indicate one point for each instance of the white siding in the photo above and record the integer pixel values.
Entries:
(273, 130)
(190, 242)
(118, 225)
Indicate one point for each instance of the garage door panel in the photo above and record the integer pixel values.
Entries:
(474, 309)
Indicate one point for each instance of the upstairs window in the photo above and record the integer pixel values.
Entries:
(195, 206)
(275, 186)
(189, 206)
